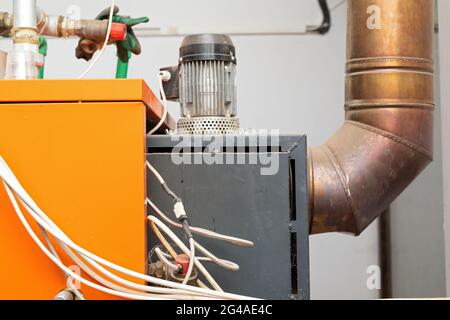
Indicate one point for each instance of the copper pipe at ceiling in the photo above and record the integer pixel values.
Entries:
(387, 138)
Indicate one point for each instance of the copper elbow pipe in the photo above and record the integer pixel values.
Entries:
(387, 138)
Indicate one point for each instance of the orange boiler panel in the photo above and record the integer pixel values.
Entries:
(78, 148)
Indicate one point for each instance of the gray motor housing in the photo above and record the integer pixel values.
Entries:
(204, 83)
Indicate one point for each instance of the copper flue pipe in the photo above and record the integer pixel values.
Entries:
(387, 138)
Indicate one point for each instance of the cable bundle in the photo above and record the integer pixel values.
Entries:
(94, 266)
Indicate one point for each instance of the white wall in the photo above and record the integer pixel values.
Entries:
(416, 219)
(293, 83)
(417, 227)
(444, 30)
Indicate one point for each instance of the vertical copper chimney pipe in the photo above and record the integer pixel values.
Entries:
(387, 138)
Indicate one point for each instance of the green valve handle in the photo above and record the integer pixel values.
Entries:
(125, 48)
(128, 47)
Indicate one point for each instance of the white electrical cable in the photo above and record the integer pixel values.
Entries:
(103, 270)
(118, 268)
(193, 243)
(164, 105)
(164, 259)
(111, 275)
(225, 263)
(155, 173)
(172, 294)
(139, 288)
(93, 274)
(11, 181)
(118, 279)
(220, 262)
(60, 264)
(191, 261)
(201, 231)
(183, 247)
(52, 249)
(105, 44)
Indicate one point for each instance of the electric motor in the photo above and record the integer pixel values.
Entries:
(205, 85)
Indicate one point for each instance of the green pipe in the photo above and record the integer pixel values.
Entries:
(122, 67)
(43, 49)
(41, 73)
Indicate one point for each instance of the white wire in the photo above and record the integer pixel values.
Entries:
(91, 273)
(164, 105)
(226, 263)
(120, 280)
(183, 247)
(201, 231)
(57, 262)
(105, 44)
(52, 249)
(9, 178)
(155, 173)
(164, 259)
(91, 259)
(191, 261)
(173, 293)
(221, 262)
(114, 277)
(103, 270)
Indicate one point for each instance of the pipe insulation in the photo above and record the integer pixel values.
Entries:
(24, 13)
(386, 140)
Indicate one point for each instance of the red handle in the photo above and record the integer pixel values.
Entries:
(118, 32)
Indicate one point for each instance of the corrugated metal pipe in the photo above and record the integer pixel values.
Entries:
(387, 138)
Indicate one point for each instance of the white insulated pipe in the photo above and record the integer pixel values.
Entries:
(24, 60)
(25, 14)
